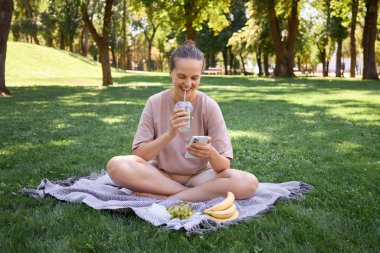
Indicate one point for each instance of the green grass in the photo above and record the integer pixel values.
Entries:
(320, 131)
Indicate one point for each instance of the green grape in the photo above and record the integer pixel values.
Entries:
(181, 211)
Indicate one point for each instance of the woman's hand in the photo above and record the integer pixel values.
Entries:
(201, 151)
(178, 119)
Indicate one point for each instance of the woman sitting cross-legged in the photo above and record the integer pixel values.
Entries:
(157, 167)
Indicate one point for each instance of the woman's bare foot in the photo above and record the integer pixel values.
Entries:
(150, 195)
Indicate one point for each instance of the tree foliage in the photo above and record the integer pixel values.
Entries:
(142, 33)
(189, 15)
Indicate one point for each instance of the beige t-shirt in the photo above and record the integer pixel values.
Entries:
(207, 120)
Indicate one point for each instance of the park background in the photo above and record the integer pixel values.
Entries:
(79, 73)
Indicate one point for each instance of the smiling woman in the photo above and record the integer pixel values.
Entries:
(158, 166)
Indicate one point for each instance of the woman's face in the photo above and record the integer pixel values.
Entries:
(186, 76)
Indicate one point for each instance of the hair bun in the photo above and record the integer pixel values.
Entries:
(189, 43)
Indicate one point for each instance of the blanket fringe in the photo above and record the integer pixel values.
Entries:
(299, 193)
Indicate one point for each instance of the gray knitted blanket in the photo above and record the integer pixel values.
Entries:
(99, 192)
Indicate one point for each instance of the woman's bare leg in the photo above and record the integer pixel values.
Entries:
(241, 183)
(134, 173)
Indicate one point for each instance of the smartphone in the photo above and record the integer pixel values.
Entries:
(202, 140)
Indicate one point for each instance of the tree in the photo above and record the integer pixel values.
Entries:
(70, 20)
(85, 35)
(239, 45)
(49, 25)
(102, 41)
(22, 25)
(369, 38)
(28, 17)
(322, 33)
(151, 17)
(259, 39)
(6, 11)
(344, 15)
(305, 43)
(284, 21)
(354, 15)
(236, 20)
(189, 15)
(338, 32)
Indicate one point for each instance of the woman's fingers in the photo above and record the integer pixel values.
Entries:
(179, 122)
(199, 150)
(179, 118)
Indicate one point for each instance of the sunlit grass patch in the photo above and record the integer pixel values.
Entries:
(249, 134)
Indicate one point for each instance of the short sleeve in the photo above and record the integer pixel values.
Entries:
(217, 130)
(145, 129)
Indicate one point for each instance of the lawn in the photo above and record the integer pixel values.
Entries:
(324, 132)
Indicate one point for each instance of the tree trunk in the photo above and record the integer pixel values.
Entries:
(326, 42)
(212, 59)
(232, 58)
(324, 72)
(86, 32)
(86, 36)
(6, 11)
(207, 60)
(62, 40)
(338, 65)
(242, 62)
(71, 43)
(322, 53)
(369, 38)
(49, 41)
(293, 24)
(123, 27)
(150, 63)
(81, 41)
(327, 67)
(189, 17)
(101, 41)
(266, 64)
(106, 68)
(114, 59)
(129, 57)
(234, 64)
(150, 45)
(113, 43)
(258, 58)
(225, 60)
(190, 31)
(354, 14)
(299, 63)
(281, 66)
(284, 47)
(29, 13)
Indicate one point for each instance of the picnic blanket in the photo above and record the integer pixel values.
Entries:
(99, 192)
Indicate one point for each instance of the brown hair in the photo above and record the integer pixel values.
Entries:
(187, 50)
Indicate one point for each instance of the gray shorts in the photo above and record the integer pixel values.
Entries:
(203, 176)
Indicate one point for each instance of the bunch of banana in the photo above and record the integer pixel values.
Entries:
(223, 211)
